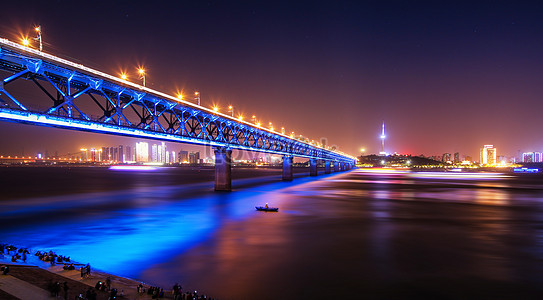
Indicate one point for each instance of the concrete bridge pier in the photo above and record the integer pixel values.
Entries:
(336, 166)
(223, 169)
(327, 169)
(313, 167)
(287, 168)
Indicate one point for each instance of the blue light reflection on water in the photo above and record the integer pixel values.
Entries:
(157, 223)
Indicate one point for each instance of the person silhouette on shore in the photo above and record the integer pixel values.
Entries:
(66, 288)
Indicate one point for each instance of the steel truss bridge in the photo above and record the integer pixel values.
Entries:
(71, 96)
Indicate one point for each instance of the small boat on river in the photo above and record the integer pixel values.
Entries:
(266, 208)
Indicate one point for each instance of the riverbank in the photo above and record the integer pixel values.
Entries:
(33, 279)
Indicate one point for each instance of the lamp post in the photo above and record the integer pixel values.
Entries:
(142, 75)
(254, 119)
(231, 109)
(38, 37)
(197, 97)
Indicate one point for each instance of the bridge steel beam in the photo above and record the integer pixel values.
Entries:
(336, 166)
(223, 169)
(287, 168)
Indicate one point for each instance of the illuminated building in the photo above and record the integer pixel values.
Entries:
(142, 152)
(172, 157)
(105, 153)
(154, 153)
(194, 157)
(446, 157)
(456, 157)
(488, 155)
(128, 154)
(183, 156)
(120, 155)
(532, 157)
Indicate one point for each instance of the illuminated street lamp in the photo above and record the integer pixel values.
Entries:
(215, 108)
(38, 37)
(26, 42)
(231, 109)
(240, 117)
(197, 97)
(142, 75)
(271, 126)
(283, 130)
(123, 76)
(254, 119)
(180, 96)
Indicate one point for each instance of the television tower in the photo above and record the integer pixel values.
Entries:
(383, 136)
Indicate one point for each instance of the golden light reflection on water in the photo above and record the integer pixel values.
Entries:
(491, 197)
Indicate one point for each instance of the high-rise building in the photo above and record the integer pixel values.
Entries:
(532, 157)
(120, 155)
(128, 153)
(183, 157)
(154, 153)
(488, 155)
(105, 153)
(142, 152)
(446, 157)
(456, 158)
(194, 157)
(173, 160)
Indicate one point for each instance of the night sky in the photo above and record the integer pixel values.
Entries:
(444, 76)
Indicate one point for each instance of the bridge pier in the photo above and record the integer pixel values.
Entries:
(327, 169)
(312, 167)
(223, 169)
(342, 166)
(287, 168)
(336, 166)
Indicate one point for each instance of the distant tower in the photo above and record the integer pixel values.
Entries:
(383, 136)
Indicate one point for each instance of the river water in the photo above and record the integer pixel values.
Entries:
(372, 234)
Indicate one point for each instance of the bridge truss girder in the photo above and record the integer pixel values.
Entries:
(72, 98)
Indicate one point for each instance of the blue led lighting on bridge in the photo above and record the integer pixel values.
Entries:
(129, 109)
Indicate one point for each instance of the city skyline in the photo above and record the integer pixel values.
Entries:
(440, 75)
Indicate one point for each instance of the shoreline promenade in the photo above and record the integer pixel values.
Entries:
(31, 280)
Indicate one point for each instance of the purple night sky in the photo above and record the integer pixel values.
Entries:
(445, 76)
